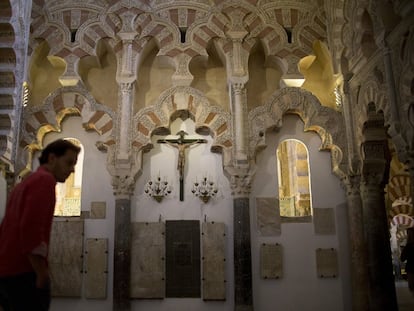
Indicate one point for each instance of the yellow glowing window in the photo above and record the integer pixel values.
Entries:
(294, 179)
(68, 194)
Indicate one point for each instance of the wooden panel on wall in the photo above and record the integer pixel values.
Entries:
(183, 258)
(65, 258)
(268, 216)
(327, 263)
(147, 260)
(96, 273)
(324, 220)
(271, 261)
(214, 261)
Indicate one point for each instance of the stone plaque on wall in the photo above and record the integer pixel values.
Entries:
(268, 216)
(324, 220)
(147, 260)
(96, 271)
(214, 261)
(183, 258)
(98, 210)
(271, 261)
(327, 262)
(65, 258)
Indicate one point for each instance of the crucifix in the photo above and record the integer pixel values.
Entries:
(181, 144)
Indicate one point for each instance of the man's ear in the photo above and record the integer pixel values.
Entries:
(51, 158)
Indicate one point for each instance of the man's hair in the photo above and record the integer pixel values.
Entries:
(58, 148)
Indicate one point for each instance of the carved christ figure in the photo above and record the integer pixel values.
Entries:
(181, 144)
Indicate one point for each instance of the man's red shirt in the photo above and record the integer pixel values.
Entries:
(27, 222)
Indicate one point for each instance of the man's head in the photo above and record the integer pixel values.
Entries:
(60, 157)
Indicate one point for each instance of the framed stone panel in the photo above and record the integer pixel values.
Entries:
(98, 210)
(271, 261)
(66, 258)
(324, 220)
(268, 216)
(183, 259)
(96, 268)
(147, 260)
(214, 261)
(327, 263)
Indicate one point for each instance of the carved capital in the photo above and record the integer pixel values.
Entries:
(125, 87)
(71, 76)
(352, 184)
(182, 75)
(240, 185)
(123, 185)
(238, 88)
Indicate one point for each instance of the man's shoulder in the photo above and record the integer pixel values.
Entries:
(40, 175)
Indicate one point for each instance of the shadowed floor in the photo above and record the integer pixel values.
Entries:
(404, 297)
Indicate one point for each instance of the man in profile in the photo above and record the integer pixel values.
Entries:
(25, 231)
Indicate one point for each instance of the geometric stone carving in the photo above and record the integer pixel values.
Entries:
(268, 216)
(271, 261)
(98, 210)
(324, 220)
(327, 263)
(147, 260)
(214, 261)
(96, 273)
(65, 258)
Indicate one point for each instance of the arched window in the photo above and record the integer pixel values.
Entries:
(294, 179)
(68, 194)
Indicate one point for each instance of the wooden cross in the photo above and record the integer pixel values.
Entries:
(181, 144)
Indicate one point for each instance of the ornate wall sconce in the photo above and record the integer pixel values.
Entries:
(205, 189)
(157, 189)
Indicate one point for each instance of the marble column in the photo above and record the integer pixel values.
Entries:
(359, 273)
(243, 294)
(382, 287)
(122, 255)
(242, 256)
(238, 105)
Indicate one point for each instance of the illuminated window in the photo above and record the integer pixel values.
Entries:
(68, 194)
(294, 182)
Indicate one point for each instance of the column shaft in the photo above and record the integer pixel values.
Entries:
(122, 256)
(359, 273)
(382, 287)
(242, 256)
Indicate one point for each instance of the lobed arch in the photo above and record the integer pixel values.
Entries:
(208, 119)
(326, 122)
(63, 103)
(56, 29)
(353, 30)
(372, 92)
(373, 102)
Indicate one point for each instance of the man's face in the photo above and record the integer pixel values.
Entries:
(63, 166)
